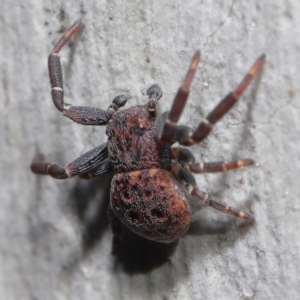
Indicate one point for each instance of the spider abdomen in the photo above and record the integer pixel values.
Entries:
(151, 203)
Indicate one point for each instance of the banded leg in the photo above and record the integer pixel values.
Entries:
(218, 166)
(223, 107)
(154, 93)
(116, 229)
(181, 131)
(215, 203)
(186, 158)
(83, 164)
(183, 134)
(81, 114)
(201, 198)
(179, 102)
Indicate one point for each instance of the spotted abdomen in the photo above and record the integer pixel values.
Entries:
(151, 203)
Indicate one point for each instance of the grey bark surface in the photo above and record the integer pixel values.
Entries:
(55, 239)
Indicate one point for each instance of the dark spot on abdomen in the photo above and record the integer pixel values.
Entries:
(157, 213)
(134, 216)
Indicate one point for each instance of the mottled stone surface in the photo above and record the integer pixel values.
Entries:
(55, 239)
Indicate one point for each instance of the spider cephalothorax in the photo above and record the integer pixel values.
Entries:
(132, 141)
(153, 191)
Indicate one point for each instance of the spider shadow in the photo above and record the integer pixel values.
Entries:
(140, 255)
(89, 200)
(245, 133)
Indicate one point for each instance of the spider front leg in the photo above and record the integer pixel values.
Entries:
(183, 134)
(85, 115)
(88, 161)
(181, 97)
(223, 107)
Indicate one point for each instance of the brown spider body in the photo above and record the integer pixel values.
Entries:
(153, 191)
(132, 144)
(151, 203)
(146, 198)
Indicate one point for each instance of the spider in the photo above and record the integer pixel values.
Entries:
(153, 191)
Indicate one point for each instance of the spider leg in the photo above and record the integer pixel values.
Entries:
(215, 203)
(218, 166)
(154, 93)
(182, 155)
(170, 124)
(186, 158)
(116, 229)
(85, 115)
(103, 168)
(83, 164)
(223, 107)
(200, 199)
(180, 132)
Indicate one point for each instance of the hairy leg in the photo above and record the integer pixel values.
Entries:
(200, 199)
(85, 115)
(81, 165)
